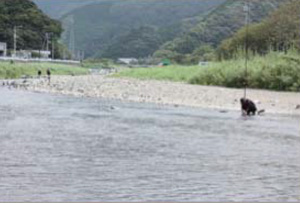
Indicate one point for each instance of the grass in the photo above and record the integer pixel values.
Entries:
(99, 64)
(172, 73)
(274, 71)
(17, 69)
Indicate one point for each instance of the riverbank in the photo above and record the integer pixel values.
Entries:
(163, 92)
(19, 69)
(274, 71)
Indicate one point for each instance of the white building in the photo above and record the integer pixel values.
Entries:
(28, 54)
(127, 61)
(41, 53)
(3, 49)
(203, 63)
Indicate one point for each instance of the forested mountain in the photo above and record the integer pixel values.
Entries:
(57, 8)
(183, 30)
(278, 32)
(32, 24)
(220, 24)
(101, 28)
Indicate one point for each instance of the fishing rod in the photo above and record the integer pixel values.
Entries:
(247, 10)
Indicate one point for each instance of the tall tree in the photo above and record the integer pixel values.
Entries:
(279, 32)
(31, 22)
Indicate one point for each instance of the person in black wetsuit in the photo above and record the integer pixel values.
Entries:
(248, 107)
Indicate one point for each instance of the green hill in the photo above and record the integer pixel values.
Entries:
(34, 24)
(98, 28)
(220, 24)
(278, 32)
(57, 8)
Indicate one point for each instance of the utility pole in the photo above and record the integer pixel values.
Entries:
(83, 55)
(15, 39)
(247, 21)
(299, 32)
(72, 46)
(53, 47)
(47, 41)
(64, 54)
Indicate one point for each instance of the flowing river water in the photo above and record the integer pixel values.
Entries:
(59, 148)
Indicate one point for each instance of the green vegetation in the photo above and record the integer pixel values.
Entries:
(32, 24)
(99, 64)
(102, 28)
(220, 24)
(275, 71)
(273, 45)
(16, 70)
(172, 73)
(278, 32)
(139, 42)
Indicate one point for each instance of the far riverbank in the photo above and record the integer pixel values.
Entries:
(166, 93)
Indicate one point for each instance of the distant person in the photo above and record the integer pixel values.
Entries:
(39, 74)
(248, 107)
(49, 75)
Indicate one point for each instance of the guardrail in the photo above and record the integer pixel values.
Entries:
(39, 60)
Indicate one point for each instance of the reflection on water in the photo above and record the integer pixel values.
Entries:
(55, 148)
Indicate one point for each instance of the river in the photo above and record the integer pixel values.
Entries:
(60, 148)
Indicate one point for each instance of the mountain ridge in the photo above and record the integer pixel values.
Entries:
(220, 24)
(106, 21)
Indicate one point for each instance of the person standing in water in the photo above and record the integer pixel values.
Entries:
(248, 107)
(49, 75)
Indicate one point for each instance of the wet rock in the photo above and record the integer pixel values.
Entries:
(80, 90)
(223, 111)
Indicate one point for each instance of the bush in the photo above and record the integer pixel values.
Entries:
(275, 71)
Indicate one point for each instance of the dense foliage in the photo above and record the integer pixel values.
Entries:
(99, 27)
(32, 24)
(279, 32)
(274, 61)
(138, 42)
(274, 71)
(220, 24)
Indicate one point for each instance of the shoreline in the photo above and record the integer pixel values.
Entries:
(163, 92)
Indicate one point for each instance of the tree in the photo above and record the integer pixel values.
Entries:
(140, 42)
(278, 32)
(35, 24)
